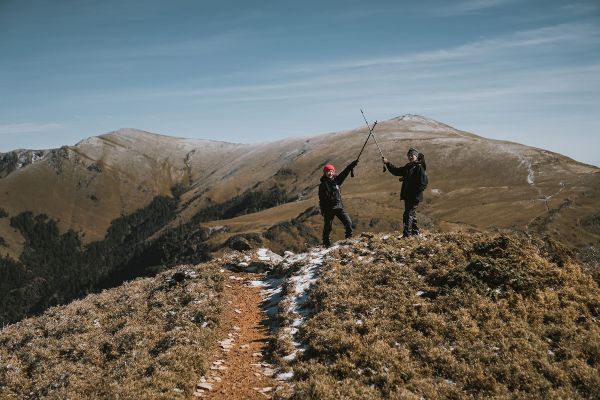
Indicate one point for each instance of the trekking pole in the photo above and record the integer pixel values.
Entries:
(361, 150)
(371, 134)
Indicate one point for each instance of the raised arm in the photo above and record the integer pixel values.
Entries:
(398, 171)
(342, 176)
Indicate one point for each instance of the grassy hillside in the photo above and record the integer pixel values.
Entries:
(475, 183)
(450, 316)
(144, 339)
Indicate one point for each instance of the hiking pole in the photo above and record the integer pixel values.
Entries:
(361, 150)
(371, 134)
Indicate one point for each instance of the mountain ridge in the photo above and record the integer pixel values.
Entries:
(172, 200)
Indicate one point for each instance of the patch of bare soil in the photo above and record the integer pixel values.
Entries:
(237, 368)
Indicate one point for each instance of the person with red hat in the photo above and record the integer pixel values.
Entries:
(330, 200)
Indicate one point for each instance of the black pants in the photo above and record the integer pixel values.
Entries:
(328, 222)
(410, 218)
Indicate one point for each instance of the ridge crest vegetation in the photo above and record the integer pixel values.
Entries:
(447, 316)
(452, 316)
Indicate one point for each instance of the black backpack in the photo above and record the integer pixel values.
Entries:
(421, 160)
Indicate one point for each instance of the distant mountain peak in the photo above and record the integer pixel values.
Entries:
(419, 122)
(415, 118)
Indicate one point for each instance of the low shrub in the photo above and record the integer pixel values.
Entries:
(450, 316)
(145, 339)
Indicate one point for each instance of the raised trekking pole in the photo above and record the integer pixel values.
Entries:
(372, 134)
(361, 150)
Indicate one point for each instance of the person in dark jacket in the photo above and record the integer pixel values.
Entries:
(330, 200)
(414, 181)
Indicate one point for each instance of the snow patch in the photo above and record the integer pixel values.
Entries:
(216, 229)
(284, 376)
(530, 174)
(267, 255)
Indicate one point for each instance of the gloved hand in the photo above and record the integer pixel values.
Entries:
(353, 164)
(385, 160)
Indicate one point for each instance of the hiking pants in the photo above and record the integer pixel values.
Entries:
(328, 222)
(410, 218)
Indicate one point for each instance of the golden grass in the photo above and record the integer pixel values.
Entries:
(453, 316)
(144, 339)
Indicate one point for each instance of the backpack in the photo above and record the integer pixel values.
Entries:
(421, 159)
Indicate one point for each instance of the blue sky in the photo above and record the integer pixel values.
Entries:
(254, 71)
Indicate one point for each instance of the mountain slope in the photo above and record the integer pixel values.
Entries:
(474, 182)
(126, 204)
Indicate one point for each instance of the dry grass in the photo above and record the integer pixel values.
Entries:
(144, 339)
(453, 316)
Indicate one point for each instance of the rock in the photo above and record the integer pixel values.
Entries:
(204, 386)
(239, 243)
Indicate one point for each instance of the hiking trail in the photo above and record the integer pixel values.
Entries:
(237, 368)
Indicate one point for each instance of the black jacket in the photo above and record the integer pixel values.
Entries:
(414, 180)
(330, 196)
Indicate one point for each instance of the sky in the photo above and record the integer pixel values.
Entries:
(244, 71)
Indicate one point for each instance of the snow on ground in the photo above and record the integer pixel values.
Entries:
(296, 273)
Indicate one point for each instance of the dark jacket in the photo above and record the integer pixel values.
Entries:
(330, 196)
(414, 180)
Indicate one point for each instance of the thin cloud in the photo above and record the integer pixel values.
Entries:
(529, 38)
(29, 127)
(580, 8)
(117, 57)
(469, 7)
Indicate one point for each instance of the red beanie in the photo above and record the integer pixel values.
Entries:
(328, 167)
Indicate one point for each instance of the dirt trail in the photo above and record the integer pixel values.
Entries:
(237, 368)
